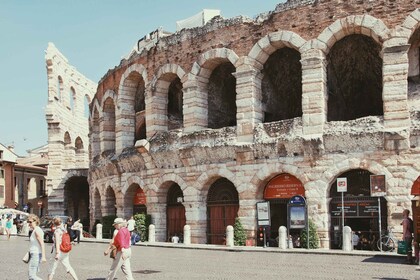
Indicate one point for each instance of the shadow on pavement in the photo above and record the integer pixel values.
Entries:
(389, 260)
(146, 271)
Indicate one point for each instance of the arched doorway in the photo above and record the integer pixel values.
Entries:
(175, 212)
(76, 193)
(360, 210)
(278, 192)
(139, 202)
(110, 205)
(222, 209)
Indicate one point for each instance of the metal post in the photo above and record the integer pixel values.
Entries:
(342, 217)
(265, 245)
(380, 224)
(307, 226)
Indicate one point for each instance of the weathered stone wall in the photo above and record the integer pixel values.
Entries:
(68, 126)
(252, 152)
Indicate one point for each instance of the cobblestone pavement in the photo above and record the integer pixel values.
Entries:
(177, 263)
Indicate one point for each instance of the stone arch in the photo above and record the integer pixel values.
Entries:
(164, 183)
(411, 25)
(130, 116)
(72, 100)
(373, 167)
(108, 122)
(60, 87)
(109, 206)
(355, 24)
(69, 150)
(167, 91)
(210, 67)
(97, 215)
(267, 172)
(206, 179)
(267, 45)
(135, 180)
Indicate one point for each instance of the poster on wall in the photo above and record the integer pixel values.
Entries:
(263, 213)
(297, 217)
(377, 185)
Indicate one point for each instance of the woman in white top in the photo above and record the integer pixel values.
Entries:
(36, 247)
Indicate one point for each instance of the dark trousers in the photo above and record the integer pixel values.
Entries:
(409, 242)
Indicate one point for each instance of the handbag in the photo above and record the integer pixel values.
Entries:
(113, 252)
(26, 257)
(402, 247)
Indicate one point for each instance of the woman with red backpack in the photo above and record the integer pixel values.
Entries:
(61, 248)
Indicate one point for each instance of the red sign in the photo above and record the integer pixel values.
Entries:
(284, 186)
(415, 190)
(139, 198)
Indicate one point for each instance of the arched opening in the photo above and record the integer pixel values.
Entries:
(222, 210)
(135, 200)
(95, 133)
(86, 102)
(414, 81)
(175, 212)
(278, 192)
(175, 103)
(361, 210)
(68, 151)
(282, 86)
(76, 197)
(108, 128)
(79, 145)
(60, 88)
(110, 203)
(97, 204)
(72, 99)
(222, 97)
(354, 79)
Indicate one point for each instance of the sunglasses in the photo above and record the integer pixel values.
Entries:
(30, 222)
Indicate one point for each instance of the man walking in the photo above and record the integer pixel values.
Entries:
(407, 224)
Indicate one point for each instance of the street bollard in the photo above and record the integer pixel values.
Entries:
(99, 231)
(282, 237)
(81, 232)
(347, 239)
(152, 234)
(229, 236)
(187, 235)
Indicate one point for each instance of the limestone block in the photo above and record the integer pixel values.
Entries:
(265, 45)
(276, 39)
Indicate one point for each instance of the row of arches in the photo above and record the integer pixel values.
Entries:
(71, 100)
(221, 201)
(74, 152)
(274, 80)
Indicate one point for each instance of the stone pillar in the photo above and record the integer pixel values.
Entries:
(125, 117)
(282, 237)
(187, 235)
(229, 236)
(347, 239)
(314, 92)
(157, 108)
(99, 231)
(394, 94)
(248, 98)
(196, 217)
(195, 103)
(152, 234)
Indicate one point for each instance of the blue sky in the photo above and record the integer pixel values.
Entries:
(92, 34)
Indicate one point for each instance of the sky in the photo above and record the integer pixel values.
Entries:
(92, 34)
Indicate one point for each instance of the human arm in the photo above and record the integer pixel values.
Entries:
(405, 227)
(40, 239)
(57, 243)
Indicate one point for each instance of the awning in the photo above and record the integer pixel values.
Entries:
(415, 190)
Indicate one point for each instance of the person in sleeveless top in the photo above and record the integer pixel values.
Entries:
(60, 256)
(36, 247)
(408, 235)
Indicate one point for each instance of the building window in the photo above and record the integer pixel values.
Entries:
(1, 191)
(1, 173)
(42, 190)
(1, 154)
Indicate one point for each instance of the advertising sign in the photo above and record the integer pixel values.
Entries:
(283, 186)
(297, 217)
(263, 213)
(350, 209)
(377, 185)
(139, 198)
(358, 209)
(341, 184)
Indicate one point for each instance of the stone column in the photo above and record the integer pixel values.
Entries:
(394, 95)
(125, 116)
(195, 103)
(248, 99)
(196, 217)
(314, 92)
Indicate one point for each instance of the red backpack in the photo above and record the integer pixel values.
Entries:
(65, 245)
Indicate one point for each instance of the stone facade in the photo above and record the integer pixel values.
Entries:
(248, 150)
(67, 113)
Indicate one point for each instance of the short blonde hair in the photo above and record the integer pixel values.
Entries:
(57, 221)
(34, 218)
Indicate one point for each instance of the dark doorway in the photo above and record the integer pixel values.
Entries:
(175, 213)
(76, 194)
(222, 210)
